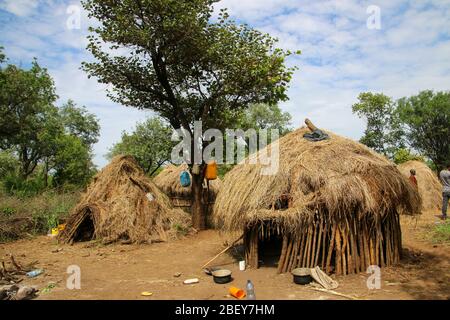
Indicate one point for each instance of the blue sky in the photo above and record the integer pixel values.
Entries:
(341, 56)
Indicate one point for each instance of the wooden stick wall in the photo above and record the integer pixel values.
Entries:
(347, 247)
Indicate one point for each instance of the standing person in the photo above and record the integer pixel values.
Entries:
(445, 179)
(412, 178)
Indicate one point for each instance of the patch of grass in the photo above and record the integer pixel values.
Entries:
(25, 216)
(181, 230)
(440, 233)
(7, 211)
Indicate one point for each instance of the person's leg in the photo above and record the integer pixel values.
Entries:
(445, 198)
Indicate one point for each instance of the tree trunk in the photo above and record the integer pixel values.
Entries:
(198, 207)
(46, 173)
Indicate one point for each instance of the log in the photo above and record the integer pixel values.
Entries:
(310, 125)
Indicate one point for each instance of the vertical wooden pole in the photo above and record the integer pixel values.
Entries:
(283, 254)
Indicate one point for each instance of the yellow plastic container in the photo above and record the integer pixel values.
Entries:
(211, 171)
(237, 293)
(55, 231)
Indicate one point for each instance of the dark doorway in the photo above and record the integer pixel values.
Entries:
(85, 231)
(269, 250)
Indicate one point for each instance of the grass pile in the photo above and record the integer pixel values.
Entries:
(430, 189)
(123, 204)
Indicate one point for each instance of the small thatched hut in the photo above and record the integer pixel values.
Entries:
(333, 203)
(430, 189)
(122, 204)
(168, 180)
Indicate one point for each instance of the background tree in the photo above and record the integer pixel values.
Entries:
(383, 132)
(150, 144)
(26, 101)
(33, 127)
(177, 62)
(72, 161)
(78, 122)
(426, 117)
(265, 116)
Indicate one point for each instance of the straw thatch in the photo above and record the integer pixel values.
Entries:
(320, 199)
(123, 204)
(168, 180)
(430, 189)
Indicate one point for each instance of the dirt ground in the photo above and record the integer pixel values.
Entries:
(124, 271)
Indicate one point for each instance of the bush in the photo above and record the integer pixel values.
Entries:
(16, 185)
(35, 215)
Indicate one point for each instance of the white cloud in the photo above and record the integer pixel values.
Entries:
(20, 8)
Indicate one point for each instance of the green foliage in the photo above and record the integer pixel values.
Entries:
(72, 161)
(36, 135)
(26, 104)
(439, 233)
(80, 123)
(150, 144)
(15, 184)
(34, 215)
(403, 155)
(7, 211)
(383, 132)
(427, 120)
(8, 163)
(264, 116)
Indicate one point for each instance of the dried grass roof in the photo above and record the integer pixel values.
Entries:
(430, 189)
(168, 180)
(335, 177)
(118, 205)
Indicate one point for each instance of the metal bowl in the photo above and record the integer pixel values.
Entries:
(302, 276)
(222, 276)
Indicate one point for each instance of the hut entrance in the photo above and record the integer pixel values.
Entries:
(269, 250)
(86, 229)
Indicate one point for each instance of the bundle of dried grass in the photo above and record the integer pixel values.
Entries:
(335, 202)
(168, 180)
(123, 204)
(430, 189)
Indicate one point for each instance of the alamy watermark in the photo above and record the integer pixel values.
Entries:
(74, 279)
(374, 20)
(209, 146)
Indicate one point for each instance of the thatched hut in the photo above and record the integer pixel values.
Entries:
(168, 180)
(430, 189)
(333, 203)
(122, 204)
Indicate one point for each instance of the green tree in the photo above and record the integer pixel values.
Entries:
(150, 144)
(426, 117)
(265, 116)
(79, 122)
(32, 126)
(26, 98)
(403, 155)
(170, 57)
(72, 161)
(383, 132)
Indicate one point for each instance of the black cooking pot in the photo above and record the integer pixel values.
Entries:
(222, 276)
(302, 276)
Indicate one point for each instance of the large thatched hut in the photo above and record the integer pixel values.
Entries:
(168, 180)
(430, 189)
(333, 203)
(122, 204)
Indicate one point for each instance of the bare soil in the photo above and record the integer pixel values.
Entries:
(125, 271)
